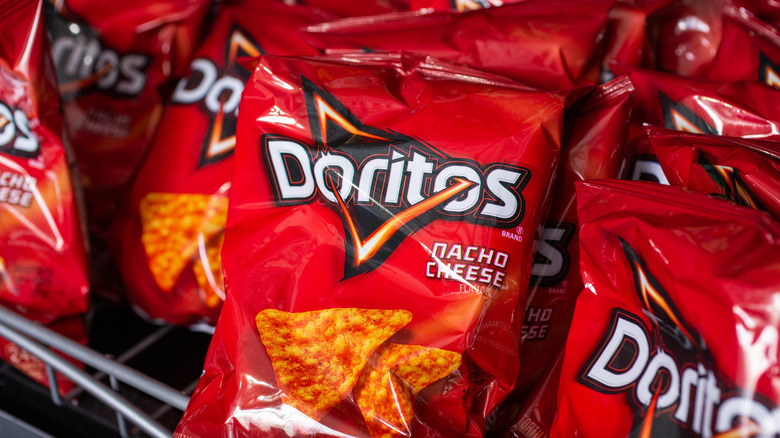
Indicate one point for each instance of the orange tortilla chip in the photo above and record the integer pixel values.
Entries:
(208, 271)
(170, 225)
(317, 356)
(388, 386)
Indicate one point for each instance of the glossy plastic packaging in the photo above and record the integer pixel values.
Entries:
(168, 238)
(671, 334)
(115, 62)
(595, 130)
(376, 183)
(42, 250)
(549, 45)
(745, 172)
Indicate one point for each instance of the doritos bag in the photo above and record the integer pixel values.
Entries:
(171, 236)
(347, 8)
(595, 130)
(746, 172)
(749, 50)
(378, 249)
(545, 44)
(113, 60)
(42, 251)
(674, 333)
(458, 5)
(736, 109)
(684, 36)
(766, 10)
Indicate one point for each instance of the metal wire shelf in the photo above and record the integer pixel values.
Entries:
(126, 401)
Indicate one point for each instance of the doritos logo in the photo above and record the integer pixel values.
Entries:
(16, 138)
(552, 259)
(681, 118)
(731, 183)
(768, 71)
(385, 185)
(218, 90)
(84, 64)
(666, 368)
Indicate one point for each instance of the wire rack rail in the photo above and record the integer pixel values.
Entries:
(136, 381)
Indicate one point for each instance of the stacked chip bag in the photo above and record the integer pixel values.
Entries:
(347, 8)
(377, 251)
(673, 334)
(113, 62)
(458, 5)
(749, 50)
(766, 10)
(738, 109)
(595, 130)
(171, 235)
(746, 172)
(684, 35)
(735, 109)
(546, 44)
(42, 251)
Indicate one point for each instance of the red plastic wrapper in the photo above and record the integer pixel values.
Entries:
(766, 10)
(170, 234)
(42, 250)
(347, 8)
(684, 36)
(378, 249)
(595, 130)
(746, 109)
(113, 62)
(549, 45)
(458, 5)
(736, 109)
(749, 50)
(746, 172)
(673, 334)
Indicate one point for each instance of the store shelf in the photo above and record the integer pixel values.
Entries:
(145, 371)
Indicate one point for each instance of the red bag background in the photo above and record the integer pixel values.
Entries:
(549, 45)
(346, 8)
(292, 257)
(594, 134)
(749, 50)
(42, 250)
(746, 172)
(114, 62)
(688, 283)
(736, 109)
(193, 148)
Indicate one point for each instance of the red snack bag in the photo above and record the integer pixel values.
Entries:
(113, 62)
(766, 10)
(684, 36)
(749, 50)
(458, 5)
(545, 44)
(429, 243)
(170, 236)
(347, 8)
(595, 130)
(670, 336)
(42, 251)
(746, 172)
(737, 109)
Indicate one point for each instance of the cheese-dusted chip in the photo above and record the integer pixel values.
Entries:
(317, 356)
(170, 224)
(208, 271)
(388, 386)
